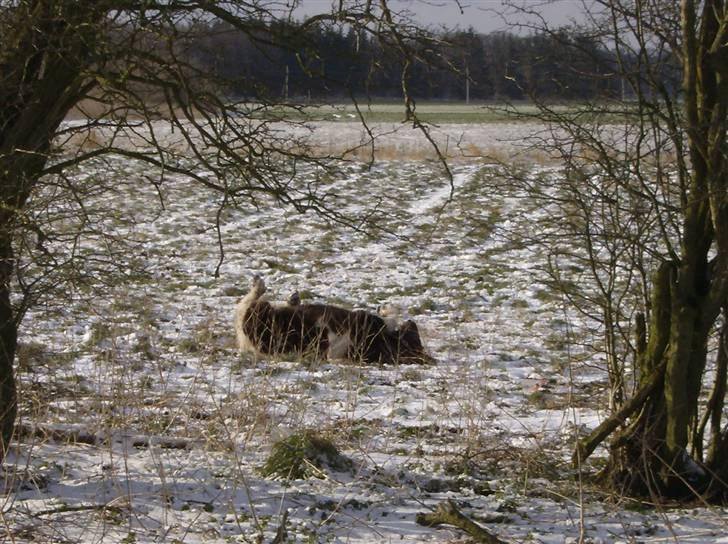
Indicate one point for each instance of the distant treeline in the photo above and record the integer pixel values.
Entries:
(325, 63)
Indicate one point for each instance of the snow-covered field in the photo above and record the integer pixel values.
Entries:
(173, 425)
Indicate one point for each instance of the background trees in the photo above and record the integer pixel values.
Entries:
(328, 61)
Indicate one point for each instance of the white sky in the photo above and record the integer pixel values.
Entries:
(482, 15)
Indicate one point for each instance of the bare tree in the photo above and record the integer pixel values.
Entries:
(643, 194)
(104, 80)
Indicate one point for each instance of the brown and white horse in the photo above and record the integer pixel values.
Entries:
(323, 331)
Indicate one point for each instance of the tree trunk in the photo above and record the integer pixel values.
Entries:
(42, 79)
(633, 464)
(21, 172)
(650, 456)
(16, 190)
(8, 344)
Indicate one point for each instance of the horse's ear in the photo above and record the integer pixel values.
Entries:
(408, 326)
(258, 285)
(411, 349)
(409, 336)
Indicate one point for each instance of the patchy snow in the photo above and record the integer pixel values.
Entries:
(176, 424)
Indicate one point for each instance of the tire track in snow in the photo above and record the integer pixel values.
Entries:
(439, 198)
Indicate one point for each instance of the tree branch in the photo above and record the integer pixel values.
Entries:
(447, 513)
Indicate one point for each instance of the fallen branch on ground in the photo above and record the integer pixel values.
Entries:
(80, 435)
(447, 513)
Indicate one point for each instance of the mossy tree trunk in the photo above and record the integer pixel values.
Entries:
(41, 79)
(8, 343)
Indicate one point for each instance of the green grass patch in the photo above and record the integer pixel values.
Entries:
(304, 455)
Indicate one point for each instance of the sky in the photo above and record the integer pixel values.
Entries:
(481, 15)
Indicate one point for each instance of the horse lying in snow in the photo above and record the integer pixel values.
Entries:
(323, 331)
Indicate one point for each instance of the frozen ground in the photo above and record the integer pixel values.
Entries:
(172, 425)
